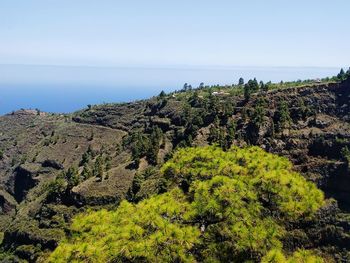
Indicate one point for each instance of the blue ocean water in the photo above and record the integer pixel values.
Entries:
(63, 89)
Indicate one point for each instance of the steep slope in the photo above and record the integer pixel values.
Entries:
(313, 137)
(36, 149)
(117, 143)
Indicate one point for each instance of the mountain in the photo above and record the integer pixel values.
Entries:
(54, 166)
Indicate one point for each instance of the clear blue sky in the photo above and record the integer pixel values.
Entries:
(181, 32)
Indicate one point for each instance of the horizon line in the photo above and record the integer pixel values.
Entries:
(169, 66)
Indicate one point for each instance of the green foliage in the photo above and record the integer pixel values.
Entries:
(265, 87)
(282, 116)
(86, 172)
(1, 154)
(230, 134)
(6, 256)
(150, 231)
(191, 119)
(274, 256)
(85, 158)
(147, 183)
(342, 75)
(303, 110)
(108, 162)
(223, 207)
(252, 86)
(259, 112)
(144, 145)
(216, 135)
(55, 189)
(99, 168)
(229, 210)
(72, 177)
(273, 178)
(299, 256)
(138, 143)
(195, 100)
(139, 178)
(154, 145)
(162, 94)
(222, 136)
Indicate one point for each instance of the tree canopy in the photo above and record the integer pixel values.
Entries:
(221, 206)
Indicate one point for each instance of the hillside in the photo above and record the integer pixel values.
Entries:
(55, 166)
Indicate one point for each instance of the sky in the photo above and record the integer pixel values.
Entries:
(158, 33)
(60, 55)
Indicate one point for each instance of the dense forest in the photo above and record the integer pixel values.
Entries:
(249, 172)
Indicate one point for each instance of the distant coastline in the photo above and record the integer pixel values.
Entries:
(63, 89)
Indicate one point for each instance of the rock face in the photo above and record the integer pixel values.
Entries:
(39, 147)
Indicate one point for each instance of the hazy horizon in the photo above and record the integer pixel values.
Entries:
(61, 55)
(63, 89)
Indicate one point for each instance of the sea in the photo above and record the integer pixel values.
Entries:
(65, 89)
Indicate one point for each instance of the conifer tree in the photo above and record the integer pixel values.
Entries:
(99, 168)
(86, 173)
(72, 177)
(341, 75)
(231, 206)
